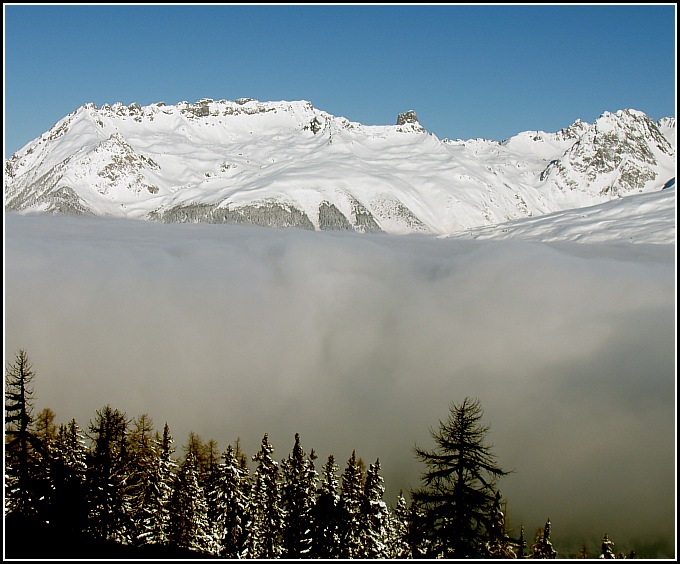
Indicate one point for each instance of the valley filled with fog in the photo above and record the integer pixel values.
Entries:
(362, 342)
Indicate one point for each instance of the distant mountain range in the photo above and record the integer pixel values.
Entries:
(288, 164)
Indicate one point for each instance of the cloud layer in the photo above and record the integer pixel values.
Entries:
(362, 342)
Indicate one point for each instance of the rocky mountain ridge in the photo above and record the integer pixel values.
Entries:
(288, 164)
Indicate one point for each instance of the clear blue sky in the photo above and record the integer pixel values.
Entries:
(467, 71)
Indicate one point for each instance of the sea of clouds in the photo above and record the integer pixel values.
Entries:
(363, 342)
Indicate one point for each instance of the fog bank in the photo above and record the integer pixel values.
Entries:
(362, 342)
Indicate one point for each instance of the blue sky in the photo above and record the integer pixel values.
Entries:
(467, 71)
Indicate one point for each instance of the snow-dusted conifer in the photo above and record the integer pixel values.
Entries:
(351, 500)
(21, 442)
(297, 500)
(400, 528)
(208, 477)
(46, 435)
(607, 548)
(267, 516)
(521, 543)
(69, 470)
(107, 468)
(232, 491)
(189, 527)
(498, 543)
(326, 517)
(140, 466)
(154, 515)
(375, 516)
(542, 547)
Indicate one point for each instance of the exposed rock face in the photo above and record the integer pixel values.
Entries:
(408, 122)
(621, 147)
(407, 117)
(262, 214)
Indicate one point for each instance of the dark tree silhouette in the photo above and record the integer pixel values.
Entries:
(107, 473)
(326, 514)
(297, 499)
(459, 484)
(22, 445)
(351, 501)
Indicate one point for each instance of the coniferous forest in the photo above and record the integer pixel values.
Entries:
(119, 488)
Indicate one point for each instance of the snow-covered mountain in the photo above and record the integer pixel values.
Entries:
(290, 164)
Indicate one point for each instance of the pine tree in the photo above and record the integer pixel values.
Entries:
(21, 442)
(607, 548)
(420, 539)
(107, 473)
(232, 489)
(46, 435)
(267, 517)
(326, 514)
(351, 501)
(521, 543)
(69, 474)
(498, 543)
(375, 516)
(154, 514)
(141, 465)
(297, 500)
(208, 480)
(459, 484)
(188, 526)
(542, 547)
(400, 530)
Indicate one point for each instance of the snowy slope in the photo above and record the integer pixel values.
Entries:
(639, 218)
(290, 164)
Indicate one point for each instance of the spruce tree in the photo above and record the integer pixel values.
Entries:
(542, 547)
(232, 494)
(107, 468)
(69, 474)
(521, 543)
(459, 484)
(351, 501)
(607, 551)
(400, 530)
(208, 480)
(188, 526)
(21, 443)
(141, 466)
(375, 516)
(326, 516)
(498, 542)
(154, 511)
(267, 516)
(297, 500)
(46, 435)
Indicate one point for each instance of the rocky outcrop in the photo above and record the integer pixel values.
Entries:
(407, 117)
(618, 153)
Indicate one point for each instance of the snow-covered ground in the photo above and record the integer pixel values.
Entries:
(639, 218)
